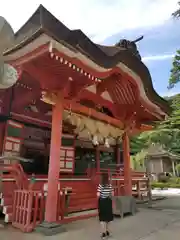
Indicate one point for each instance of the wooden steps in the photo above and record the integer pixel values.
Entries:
(80, 215)
(84, 207)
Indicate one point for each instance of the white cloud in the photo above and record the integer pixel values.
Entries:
(98, 18)
(170, 93)
(157, 57)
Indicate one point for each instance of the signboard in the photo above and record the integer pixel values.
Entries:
(12, 139)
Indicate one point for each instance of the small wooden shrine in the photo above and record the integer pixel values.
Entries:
(161, 160)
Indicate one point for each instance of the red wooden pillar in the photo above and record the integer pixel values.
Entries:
(54, 162)
(127, 165)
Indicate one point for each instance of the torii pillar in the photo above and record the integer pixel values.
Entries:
(127, 165)
(50, 226)
(54, 161)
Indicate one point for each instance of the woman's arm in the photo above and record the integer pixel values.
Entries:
(112, 190)
(98, 194)
(99, 191)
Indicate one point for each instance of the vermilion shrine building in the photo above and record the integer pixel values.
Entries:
(74, 106)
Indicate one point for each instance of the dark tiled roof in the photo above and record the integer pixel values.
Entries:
(158, 151)
(42, 21)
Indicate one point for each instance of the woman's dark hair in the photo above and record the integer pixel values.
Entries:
(105, 179)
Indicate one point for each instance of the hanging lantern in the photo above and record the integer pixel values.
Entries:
(95, 141)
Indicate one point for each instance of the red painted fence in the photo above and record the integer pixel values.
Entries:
(29, 208)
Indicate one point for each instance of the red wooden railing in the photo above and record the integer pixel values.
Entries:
(17, 172)
(139, 181)
(29, 208)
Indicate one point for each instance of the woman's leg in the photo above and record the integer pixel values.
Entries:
(107, 228)
(103, 230)
(103, 227)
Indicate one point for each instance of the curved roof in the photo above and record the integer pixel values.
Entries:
(42, 21)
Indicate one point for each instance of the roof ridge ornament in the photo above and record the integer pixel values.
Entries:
(130, 45)
(8, 74)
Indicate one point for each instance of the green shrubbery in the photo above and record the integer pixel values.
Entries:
(173, 182)
(163, 178)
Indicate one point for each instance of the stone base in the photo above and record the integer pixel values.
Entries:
(50, 229)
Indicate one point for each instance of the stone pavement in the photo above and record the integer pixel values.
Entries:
(169, 203)
(145, 225)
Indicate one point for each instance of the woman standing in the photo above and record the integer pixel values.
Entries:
(105, 193)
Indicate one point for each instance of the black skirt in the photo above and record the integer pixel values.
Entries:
(105, 210)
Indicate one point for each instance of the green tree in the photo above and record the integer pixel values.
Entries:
(166, 133)
(177, 12)
(175, 71)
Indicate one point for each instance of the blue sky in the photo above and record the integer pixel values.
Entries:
(107, 21)
(157, 49)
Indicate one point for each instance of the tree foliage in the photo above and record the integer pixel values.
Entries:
(177, 12)
(166, 133)
(137, 161)
(175, 71)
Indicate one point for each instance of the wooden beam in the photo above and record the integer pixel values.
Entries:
(97, 99)
(79, 109)
(42, 76)
(29, 57)
(44, 50)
